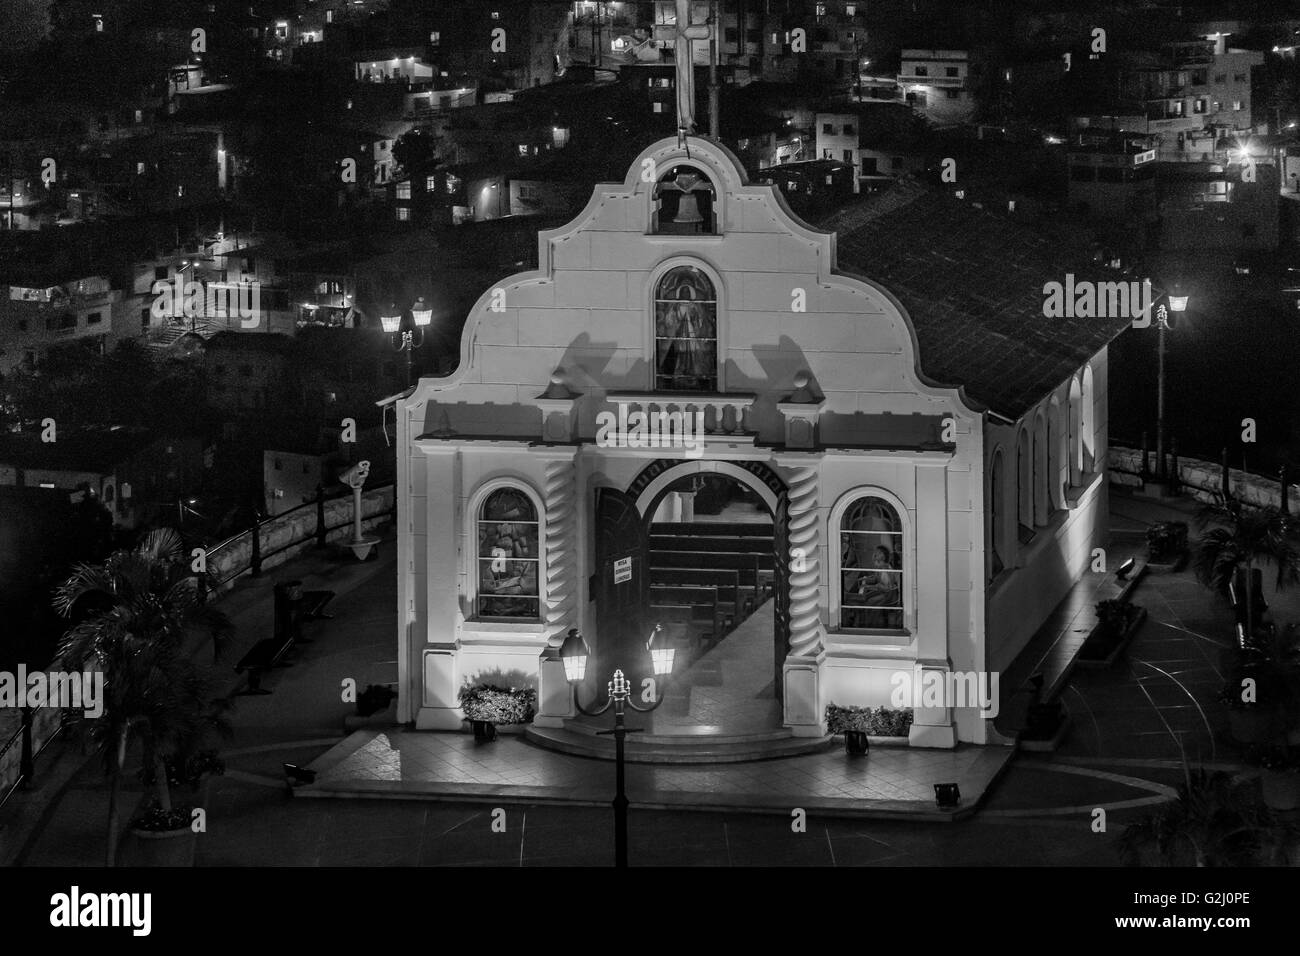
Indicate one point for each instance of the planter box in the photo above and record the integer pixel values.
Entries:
(163, 847)
(1096, 658)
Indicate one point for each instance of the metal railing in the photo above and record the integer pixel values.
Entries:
(255, 534)
(24, 737)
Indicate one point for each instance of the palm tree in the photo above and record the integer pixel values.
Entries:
(1214, 821)
(1243, 538)
(137, 607)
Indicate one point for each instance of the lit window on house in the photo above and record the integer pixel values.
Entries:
(430, 184)
(404, 190)
(403, 214)
(523, 149)
(1236, 105)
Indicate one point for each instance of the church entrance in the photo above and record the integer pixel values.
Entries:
(697, 547)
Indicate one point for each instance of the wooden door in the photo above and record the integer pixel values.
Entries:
(622, 590)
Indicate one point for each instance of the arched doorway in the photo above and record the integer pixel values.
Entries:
(698, 547)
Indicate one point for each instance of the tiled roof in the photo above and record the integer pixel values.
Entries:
(972, 282)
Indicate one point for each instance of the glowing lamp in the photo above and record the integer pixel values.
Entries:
(1178, 303)
(574, 652)
(421, 313)
(391, 321)
(661, 652)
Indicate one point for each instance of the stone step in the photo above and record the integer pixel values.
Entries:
(581, 740)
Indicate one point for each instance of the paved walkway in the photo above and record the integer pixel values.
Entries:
(886, 783)
(1131, 724)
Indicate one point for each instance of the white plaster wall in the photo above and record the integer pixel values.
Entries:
(587, 309)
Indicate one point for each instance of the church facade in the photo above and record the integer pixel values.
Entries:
(685, 331)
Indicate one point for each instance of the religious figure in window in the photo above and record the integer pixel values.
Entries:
(686, 332)
(871, 560)
(508, 556)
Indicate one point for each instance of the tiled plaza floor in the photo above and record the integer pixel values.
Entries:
(886, 781)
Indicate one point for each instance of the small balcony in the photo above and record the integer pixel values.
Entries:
(726, 417)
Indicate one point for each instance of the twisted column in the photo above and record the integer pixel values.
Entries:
(561, 548)
(805, 577)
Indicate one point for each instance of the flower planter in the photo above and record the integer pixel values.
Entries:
(1102, 647)
(855, 743)
(163, 847)
(484, 730)
(1281, 789)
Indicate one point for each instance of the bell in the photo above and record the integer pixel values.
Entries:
(688, 210)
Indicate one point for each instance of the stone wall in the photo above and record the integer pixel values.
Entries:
(1203, 480)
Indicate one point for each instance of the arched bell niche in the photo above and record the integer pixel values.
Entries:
(685, 203)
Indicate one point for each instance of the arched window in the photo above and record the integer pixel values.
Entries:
(1075, 447)
(871, 565)
(686, 331)
(997, 533)
(685, 201)
(508, 565)
(1024, 486)
(1042, 459)
(1087, 424)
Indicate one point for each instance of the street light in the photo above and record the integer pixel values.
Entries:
(407, 340)
(574, 653)
(1177, 302)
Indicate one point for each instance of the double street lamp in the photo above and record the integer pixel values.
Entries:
(407, 340)
(574, 653)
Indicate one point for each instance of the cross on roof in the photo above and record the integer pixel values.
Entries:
(686, 33)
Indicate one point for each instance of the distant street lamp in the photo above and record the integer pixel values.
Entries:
(407, 340)
(574, 653)
(1176, 302)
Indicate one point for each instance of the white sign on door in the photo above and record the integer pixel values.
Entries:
(622, 570)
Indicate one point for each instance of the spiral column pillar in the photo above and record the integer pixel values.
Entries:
(560, 597)
(801, 698)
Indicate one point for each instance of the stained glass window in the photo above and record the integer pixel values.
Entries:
(871, 562)
(508, 556)
(686, 332)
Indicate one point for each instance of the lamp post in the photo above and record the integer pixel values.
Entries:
(1176, 303)
(407, 340)
(574, 652)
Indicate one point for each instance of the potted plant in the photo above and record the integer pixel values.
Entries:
(1167, 543)
(1117, 620)
(1242, 538)
(134, 611)
(486, 706)
(889, 722)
